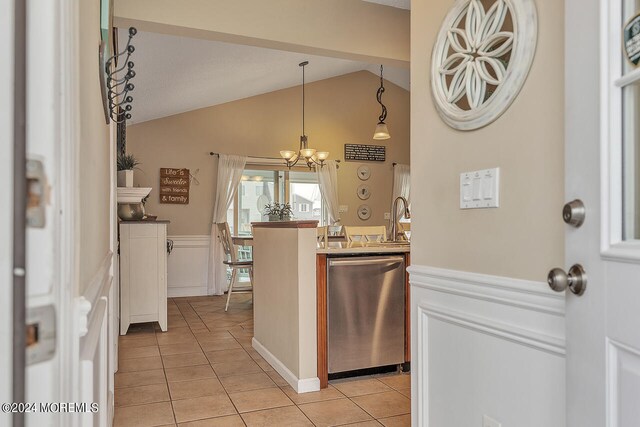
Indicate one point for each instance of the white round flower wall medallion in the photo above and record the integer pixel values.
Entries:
(481, 59)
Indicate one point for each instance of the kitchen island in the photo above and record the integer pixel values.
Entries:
(290, 298)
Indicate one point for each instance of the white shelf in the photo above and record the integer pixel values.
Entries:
(132, 194)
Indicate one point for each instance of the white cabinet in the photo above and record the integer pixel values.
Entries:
(143, 273)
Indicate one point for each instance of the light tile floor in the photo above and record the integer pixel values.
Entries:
(204, 372)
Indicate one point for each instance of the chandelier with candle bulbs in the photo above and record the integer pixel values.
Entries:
(308, 155)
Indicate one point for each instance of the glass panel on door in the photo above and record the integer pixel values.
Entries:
(630, 9)
(630, 141)
(631, 162)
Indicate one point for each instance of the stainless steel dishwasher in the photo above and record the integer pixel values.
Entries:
(365, 312)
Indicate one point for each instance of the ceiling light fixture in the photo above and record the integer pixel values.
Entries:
(381, 128)
(310, 156)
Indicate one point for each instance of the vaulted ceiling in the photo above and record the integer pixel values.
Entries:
(175, 74)
(193, 54)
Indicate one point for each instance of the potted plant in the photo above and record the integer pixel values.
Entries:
(278, 212)
(126, 164)
(272, 211)
(286, 212)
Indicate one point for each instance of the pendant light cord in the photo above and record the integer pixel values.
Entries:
(383, 115)
(303, 64)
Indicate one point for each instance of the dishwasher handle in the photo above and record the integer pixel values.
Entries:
(366, 261)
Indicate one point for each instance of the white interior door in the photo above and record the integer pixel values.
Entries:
(43, 287)
(603, 170)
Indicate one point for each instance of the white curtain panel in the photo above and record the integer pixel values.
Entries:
(230, 169)
(401, 184)
(328, 180)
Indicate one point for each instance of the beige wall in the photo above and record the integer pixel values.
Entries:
(94, 151)
(285, 297)
(523, 238)
(337, 28)
(338, 110)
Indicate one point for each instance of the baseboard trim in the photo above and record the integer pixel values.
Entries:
(191, 291)
(299, 385)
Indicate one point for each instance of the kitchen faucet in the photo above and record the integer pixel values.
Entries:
(394, 213)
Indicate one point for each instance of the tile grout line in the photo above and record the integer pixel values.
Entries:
(199, 317)
(166, 380)
(214, 371)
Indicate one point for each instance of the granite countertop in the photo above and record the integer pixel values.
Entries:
(363, 247)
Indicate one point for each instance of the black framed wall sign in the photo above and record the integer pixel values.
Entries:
(364, 153)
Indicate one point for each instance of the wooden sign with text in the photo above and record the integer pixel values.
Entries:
(174, 186)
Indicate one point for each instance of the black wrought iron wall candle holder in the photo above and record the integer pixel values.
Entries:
(119, 88)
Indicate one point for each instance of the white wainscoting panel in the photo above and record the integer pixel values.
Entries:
(94, 329)
(624, 384)
(485, 345)
(187, 266)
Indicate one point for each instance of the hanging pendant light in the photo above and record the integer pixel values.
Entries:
(381, 131)
(310, 156)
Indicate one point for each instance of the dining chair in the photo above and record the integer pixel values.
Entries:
(322, 235)
(405, 229)
(377, 233)
(232, 260)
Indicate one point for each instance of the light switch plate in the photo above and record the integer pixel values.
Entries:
(480, 189)
(343, 208)
(387, 215)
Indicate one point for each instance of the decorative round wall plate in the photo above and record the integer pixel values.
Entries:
(481, 60)
(364, 212)
(364, 172)
(364, 192)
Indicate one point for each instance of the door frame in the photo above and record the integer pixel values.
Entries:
(583, 114)
(6, 199)
(66, 177)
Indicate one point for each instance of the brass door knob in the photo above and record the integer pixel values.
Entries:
(575, 280)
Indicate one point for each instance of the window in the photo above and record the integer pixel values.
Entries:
(259, 187)
(305, 197)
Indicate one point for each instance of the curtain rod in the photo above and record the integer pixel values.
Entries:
(211, 153)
